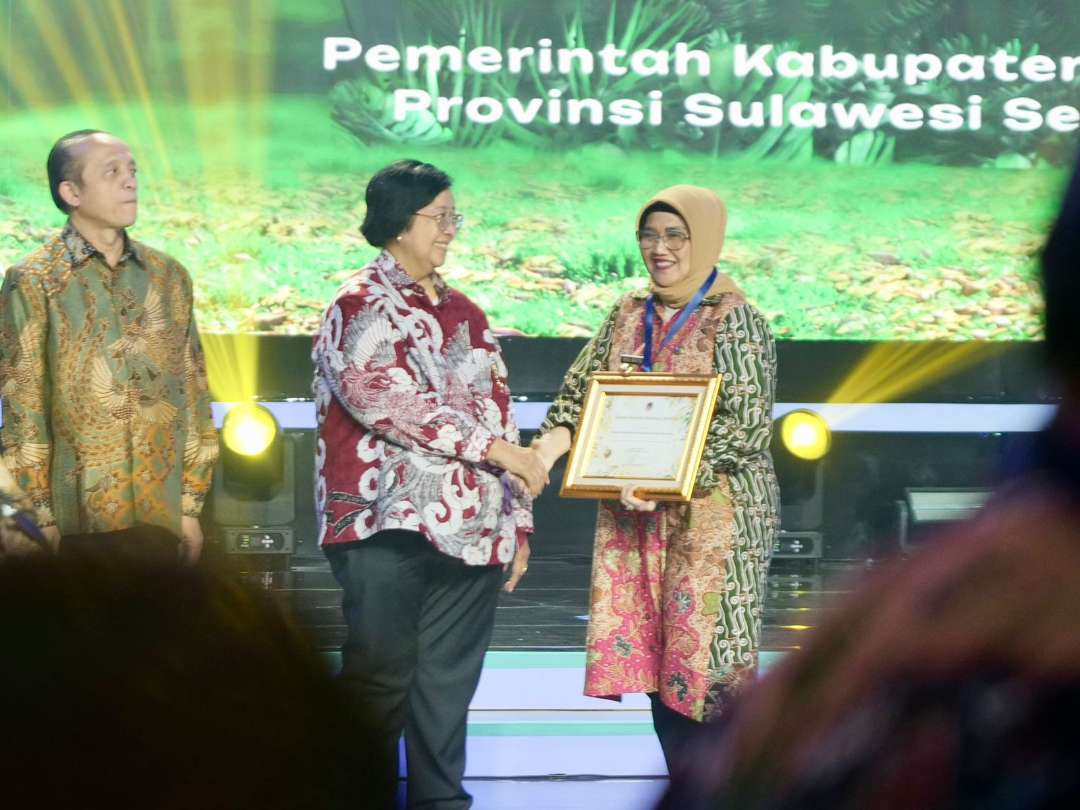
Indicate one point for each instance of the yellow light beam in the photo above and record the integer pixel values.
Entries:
(210, 76)
(258, 80)
(232, 362)
(882, 364)
(91, 29)
(889, 371)
(62, 57)
(24, 79)
(138, 76)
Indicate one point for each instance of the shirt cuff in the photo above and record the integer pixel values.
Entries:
(43, 515)
(523, 518)
(191, 504)
(478, 445)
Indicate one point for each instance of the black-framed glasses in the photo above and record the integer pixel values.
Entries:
(445, 219)
(673, 239)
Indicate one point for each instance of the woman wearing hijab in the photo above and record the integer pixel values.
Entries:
(678, 588)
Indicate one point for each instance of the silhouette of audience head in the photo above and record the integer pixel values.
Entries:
(135, 684)
(1061, 286)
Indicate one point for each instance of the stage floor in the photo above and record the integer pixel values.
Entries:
(548, 611)
(534, 740)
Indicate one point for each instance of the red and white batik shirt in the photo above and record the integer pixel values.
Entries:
(410, 396)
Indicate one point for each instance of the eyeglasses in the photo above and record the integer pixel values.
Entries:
(672, 239)
(445, 219)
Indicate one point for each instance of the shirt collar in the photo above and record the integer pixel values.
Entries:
(396, 275)
(79, 250)
(644, 292)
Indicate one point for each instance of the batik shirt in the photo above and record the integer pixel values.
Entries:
(677, 594)
(410, 396)
(106, 409)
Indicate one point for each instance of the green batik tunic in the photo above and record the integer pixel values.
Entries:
(677, 594)
(106, 410)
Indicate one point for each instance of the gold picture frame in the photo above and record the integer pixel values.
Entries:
(648, 428)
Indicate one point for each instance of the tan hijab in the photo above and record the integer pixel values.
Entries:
(705, 216)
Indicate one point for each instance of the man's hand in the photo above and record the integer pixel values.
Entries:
(52, 537)
(518, 567)
(191, 540)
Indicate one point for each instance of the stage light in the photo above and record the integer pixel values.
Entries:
(249, 429)
(252, 454)
(252, 499)
(925, 508)
(805, 434)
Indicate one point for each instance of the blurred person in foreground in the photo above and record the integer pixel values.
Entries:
(418, 509)
(951, 679)
(677, 588)
(107, 426)
(129, 683)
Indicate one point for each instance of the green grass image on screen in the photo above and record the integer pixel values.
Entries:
(888, 252)
(250, 181)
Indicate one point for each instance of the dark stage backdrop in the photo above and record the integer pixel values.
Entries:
(809, 371)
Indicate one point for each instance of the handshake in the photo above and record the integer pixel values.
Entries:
(529, 466)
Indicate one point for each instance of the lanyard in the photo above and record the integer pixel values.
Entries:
(680, 322)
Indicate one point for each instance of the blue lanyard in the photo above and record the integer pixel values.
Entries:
(680, 322)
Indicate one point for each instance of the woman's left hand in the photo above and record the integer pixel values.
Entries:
(518, 567)
(631, 501)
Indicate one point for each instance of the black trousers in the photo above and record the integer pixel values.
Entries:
(418, 624)
(676, 731)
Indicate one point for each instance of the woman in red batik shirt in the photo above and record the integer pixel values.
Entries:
(422, 490)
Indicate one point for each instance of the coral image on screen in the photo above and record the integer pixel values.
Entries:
(890, 167)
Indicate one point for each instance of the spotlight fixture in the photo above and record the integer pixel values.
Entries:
(249, 429)
(252, 455)
(805, 434)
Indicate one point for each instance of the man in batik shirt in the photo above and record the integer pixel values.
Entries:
(107, 425)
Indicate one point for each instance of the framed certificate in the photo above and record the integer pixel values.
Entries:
(648, 429)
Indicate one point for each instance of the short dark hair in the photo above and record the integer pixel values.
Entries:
(658, 207)
(62, 164)
(395, 193)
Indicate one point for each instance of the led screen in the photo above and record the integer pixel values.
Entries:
(890, 166)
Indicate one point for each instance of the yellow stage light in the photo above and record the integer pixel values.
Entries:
(892, 370)
(232, 365)
(249, 429)
(805, 434)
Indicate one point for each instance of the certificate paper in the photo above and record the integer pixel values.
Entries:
(649, 429)
(640, 436)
